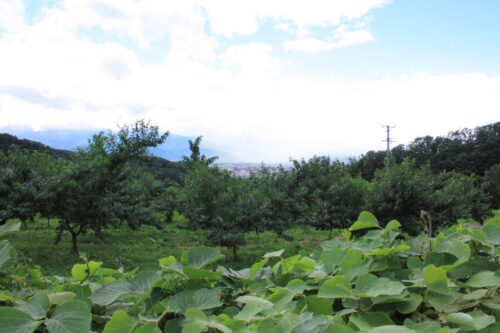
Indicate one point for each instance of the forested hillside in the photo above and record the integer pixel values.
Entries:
(468, 151)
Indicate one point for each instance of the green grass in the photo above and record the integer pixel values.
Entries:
(129, 249)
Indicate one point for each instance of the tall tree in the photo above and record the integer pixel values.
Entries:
(92, 190)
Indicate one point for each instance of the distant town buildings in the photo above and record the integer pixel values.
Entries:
(245, 170)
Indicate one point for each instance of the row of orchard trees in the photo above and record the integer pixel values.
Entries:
(105, 185)
(102, 185)
(323, 194)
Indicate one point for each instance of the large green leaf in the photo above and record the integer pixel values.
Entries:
(354, 264)
(200, 273)
(36, 307)
(201, 256)
(454, 247)
(9, 227)
(110, 292)
(255, 300)
(257, 266)
(368, 285)
(121, 322)
(198, 321)
(472, 320)
(7, 254)
(16, 321)
(337, 287)
(484, 279)
(71, 317)
(369, 320)
(147, 328)
(61, 297)
(492, 232)
(435, 279)
(201, 299)
(143, 281)
(318, 305)
(332, 258)
(365, 220)
(392, 329)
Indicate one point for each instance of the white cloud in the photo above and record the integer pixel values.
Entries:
(282, 27)
(252, 59)
(236, 95)
(11, 15)
(245, 15)
(342, 39)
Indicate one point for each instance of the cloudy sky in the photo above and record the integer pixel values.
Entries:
(260, 80)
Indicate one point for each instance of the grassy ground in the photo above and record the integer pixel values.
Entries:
(128, 249)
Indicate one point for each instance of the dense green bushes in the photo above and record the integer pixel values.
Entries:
(378, 282)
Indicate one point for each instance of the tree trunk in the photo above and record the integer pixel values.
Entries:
(75, 245)
(330, 234)
(235, 255)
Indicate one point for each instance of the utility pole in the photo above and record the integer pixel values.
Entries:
(388, 140)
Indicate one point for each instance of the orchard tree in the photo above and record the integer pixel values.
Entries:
(100, 187)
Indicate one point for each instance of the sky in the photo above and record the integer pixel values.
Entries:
(262, 81)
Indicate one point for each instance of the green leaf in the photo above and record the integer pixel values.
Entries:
(410, 305)
(84, 271)
(368, 285)
(353, 264)
(337, 287)
(201, 299)
(250, 310)
(473, 320)
(340, 328)
(143, 281)
(280, 298)
(369, 320)
(201, 256)
(319, 306)
(71, 317)
(36, 307)
(120, 322)
(7, 228)
(198, 321)
(332, 259)
(164, 262)
(274, 254)
(16, 321)
(392, 329)
(454, 247)
(173, 325)
(257, 266)
(110, 292)
(7, 254)
(296, 286)
(435, 279)
(199, 273)
(483, 279)
(61, 298)
(365, 220)
(264, 303)
(427, 326)
(492, 232)
(391, 226)
(147, 328)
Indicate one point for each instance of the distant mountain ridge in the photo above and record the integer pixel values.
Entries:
(173, 149)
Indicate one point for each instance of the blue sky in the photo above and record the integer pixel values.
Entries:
(261, 80)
